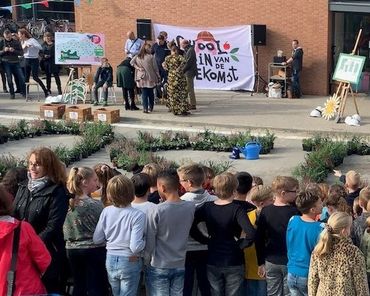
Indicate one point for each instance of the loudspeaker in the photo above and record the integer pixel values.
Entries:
(144, 29)
(259, 35)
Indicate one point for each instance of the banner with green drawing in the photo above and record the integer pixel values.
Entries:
(349, 68)
(79, 48)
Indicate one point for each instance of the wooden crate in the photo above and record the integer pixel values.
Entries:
(52, 111)
(78, 113)
(107, 115)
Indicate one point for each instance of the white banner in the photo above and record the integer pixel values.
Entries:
(224, 55)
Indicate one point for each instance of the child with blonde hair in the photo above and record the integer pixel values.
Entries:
(353, 184)
(271, 235)
(359, 225)
(87, 259)
(337, 267)
(152, 170)
(121, 227)
(224, 220)
(254, 285)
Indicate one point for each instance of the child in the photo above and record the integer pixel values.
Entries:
(104, 173)
(141, 183)
(168, 231)
(224, 220)
(244, 186)
(33, 257)
(271, 235)
(336, 201)
(153, 169)
(337, 267)
(357, 211)
(210, 175)
(352, 182)
(257, 181)
(87, 260)
(359, 225)
(122, 228)
(302, 235)
(254, 285)
(365, 248)
(191, 178)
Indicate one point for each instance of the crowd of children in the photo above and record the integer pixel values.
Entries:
(179, 231)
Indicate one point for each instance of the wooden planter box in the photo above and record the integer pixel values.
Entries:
(52, 111)
(107, 115)
(78, 113)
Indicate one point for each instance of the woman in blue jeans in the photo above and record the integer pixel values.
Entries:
(146, 75)
(121, 227)
(31, 48)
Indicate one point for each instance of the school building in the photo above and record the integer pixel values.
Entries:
(324, 28)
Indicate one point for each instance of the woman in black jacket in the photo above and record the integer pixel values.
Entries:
(43, 202)
(48, 50)
(103, 78)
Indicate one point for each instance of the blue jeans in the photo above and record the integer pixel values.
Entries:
(16, 70)
(147, 97)
(297, 285)
(123, 274)
(225, 281)
(295, 84)
(165, 281)
(254, 287)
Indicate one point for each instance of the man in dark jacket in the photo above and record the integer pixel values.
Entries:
(126, 80)
(10, 50)
(296, 60)
(190, 70)
(103, 78)
(160, 51)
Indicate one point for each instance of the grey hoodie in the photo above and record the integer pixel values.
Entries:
(198, 197)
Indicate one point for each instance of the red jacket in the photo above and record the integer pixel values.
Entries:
(33, 258)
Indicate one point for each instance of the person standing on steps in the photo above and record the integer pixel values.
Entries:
(48, 49)
(190, 70)
(103, 78)
(296, 60)
(10, 50)
(31, 50)
(125, 80)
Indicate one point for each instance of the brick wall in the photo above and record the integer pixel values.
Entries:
(307, 21)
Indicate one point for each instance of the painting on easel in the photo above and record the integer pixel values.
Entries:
(349, 68)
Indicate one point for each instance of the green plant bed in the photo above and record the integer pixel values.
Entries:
(130, 154)
(94, 136)
(325, 156)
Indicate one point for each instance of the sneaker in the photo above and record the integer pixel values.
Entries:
(134, 108)
(12, 97)
(95, 103)
(145, 111)
(105, 104)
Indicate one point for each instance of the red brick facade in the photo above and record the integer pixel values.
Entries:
(308, 21)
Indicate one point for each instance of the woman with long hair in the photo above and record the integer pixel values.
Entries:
(42, 200)
(31, 50)
(337, 266)
(48, 58)
(177, 87)
(146, 75)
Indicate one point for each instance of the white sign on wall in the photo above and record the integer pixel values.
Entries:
(224, 55)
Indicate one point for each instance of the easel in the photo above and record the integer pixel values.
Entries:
(345, 87)
(80, 69)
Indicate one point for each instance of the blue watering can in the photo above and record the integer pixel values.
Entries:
(251, 150)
